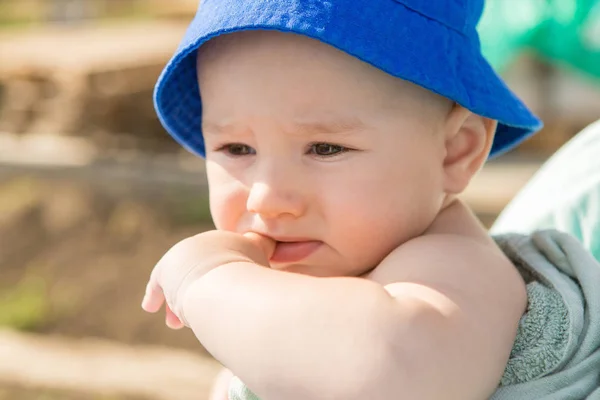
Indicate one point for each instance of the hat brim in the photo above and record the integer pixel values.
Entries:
(408, 45)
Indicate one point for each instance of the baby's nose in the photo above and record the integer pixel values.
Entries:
(271, 201)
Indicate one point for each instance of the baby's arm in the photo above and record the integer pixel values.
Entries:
(442, 327)
(468, 300)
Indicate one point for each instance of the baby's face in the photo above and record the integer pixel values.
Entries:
(312, 147)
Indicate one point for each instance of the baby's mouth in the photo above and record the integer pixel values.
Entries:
(294, 251)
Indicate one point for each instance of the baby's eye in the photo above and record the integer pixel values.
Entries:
(237, 149)
(327, 149)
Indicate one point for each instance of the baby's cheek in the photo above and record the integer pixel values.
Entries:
(227, 208)
(370, 230)
(358, 232)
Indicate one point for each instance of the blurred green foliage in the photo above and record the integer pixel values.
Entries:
(24, 306)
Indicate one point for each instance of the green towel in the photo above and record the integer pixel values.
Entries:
(556, 354)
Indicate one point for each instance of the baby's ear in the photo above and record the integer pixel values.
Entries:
(468, 140)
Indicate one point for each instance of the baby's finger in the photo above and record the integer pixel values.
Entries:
(153, 298)
(267, 245)
(171, 319)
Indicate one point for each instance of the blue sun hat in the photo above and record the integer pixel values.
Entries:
(432, 43)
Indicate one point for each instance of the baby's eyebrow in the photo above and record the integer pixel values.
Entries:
(336, 126)
(227, 128)
(215, 128)
(304, 127)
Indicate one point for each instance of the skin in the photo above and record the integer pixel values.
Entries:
(287, 190)
(314, 145)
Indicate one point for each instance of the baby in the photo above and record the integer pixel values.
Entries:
(337, 136)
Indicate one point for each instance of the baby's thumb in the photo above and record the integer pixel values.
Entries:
(267, 245)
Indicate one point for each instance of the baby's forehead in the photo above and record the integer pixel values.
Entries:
(301, 63)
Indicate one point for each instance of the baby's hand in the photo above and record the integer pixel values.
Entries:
(191, 259)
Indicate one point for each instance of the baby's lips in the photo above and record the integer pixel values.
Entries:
(265, 243)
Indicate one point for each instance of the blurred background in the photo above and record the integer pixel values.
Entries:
(93, 191)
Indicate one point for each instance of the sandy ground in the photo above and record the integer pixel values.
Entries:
(86, 368)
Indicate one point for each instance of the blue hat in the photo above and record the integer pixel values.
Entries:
(432, 43)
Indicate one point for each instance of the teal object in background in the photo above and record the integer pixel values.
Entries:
(564, 194)
(562, 31)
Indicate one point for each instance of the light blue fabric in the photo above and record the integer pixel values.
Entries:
(432, 43)
(564, 194)
(556, 354)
